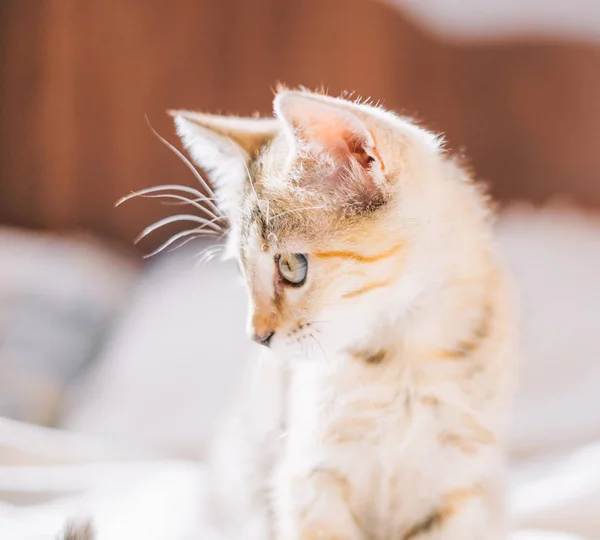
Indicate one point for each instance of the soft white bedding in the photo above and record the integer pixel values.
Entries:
(556, 498)
(174, 361)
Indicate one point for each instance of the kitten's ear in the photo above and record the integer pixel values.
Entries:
(329, 125)
(223, 146)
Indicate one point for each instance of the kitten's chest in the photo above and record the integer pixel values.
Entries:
(347, 410)
(375, 436)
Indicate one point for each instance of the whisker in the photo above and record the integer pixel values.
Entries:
(215, 248)
(322, 350)
(195, 237)
(208, 254)
(155, 189)
(198, 232)
(190, 239)
(187, 201)
(187, 240)
(211, 247)
(183, 201)
(179, 217)
(188, 164)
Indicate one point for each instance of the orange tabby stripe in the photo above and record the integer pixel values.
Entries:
(453, 500)
(367, 288)
(463, 350)
(358, 256)
(482, 434)
(448, 354)
(452, 504)
(461, 442)
(431, 401)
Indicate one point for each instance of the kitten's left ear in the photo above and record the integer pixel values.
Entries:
(223, 146)
(330, 125)
(250, 134)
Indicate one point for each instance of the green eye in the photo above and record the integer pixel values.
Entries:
(293, 268)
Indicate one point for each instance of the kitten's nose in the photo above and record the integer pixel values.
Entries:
(264, 338)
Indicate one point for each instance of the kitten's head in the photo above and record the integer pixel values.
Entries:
(325, 203)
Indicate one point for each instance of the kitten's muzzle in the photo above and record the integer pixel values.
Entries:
(264, 338)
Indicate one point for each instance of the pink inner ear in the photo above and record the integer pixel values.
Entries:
(342, 143)
(332, 137)
(328, 127)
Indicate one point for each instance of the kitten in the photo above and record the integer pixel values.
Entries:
(378, 409)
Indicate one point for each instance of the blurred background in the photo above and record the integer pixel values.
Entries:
(95, 340)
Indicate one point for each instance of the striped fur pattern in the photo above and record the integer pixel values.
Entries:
(378, 411)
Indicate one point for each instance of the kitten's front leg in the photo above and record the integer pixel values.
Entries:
(471, 513)
(315, 505)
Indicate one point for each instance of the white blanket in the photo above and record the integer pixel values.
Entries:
(73, 478)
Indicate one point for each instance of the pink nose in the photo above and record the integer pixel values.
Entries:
(264, 338)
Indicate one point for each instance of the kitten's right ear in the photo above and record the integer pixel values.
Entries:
(223, 146)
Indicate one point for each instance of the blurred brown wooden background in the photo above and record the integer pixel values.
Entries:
(78, 76)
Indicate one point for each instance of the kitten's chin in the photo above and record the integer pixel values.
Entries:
(311, 348)
(289, 352)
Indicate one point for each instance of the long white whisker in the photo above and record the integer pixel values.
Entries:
(187, 162)
(215, 247)
(211, 255)
(211, 252)
(322, 350)
(192, 238)
(196, 232)
(179, 217)
(189, 201)
(154, 189)
(208, 253)
(184, 200)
